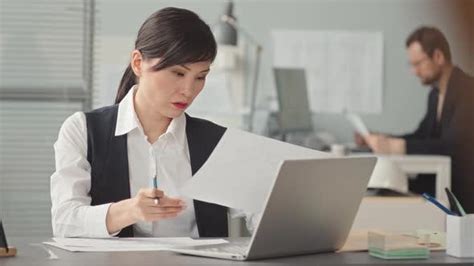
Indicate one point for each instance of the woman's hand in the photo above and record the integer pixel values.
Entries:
(142, 207)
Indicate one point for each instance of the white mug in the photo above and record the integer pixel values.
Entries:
(338, 149)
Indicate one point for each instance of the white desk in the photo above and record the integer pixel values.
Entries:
(426, 164)
(423, 164)
(385, 213)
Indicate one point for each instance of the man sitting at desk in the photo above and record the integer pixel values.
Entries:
(448, 125)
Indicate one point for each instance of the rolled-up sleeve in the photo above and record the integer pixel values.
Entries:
(71, 212)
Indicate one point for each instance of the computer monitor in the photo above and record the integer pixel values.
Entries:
(295, 114)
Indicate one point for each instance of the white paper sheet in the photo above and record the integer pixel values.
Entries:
(344, 69)
(241, 170)
(128, 244)
(358, 124)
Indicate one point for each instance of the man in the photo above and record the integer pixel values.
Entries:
(447, 127)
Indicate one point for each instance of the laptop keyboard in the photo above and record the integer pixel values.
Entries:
(229, 248)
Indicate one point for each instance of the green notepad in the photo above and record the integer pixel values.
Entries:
(400, 254)
(397, 246)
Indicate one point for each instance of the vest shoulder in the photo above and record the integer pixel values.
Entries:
(102, 110)
(100, 117)
(199, 123)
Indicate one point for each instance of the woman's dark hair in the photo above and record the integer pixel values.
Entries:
(430, 39)
(176, 36)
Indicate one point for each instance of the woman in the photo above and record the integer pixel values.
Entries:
(106, 158)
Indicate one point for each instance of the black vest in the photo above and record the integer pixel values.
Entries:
(108, 157)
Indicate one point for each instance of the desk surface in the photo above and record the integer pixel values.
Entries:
(408, 157)
(31, 253)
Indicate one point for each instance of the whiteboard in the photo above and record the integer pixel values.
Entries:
(344, 69)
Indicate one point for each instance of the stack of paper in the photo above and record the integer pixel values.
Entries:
(128, 244)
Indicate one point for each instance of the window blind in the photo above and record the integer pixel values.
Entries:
(45, 73)
(28, 131)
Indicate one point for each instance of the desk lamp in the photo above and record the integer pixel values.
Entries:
(226, 32)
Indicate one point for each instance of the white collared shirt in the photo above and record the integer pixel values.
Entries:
(167, 158)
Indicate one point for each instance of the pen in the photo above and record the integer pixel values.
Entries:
(439, 205)
(4, 238)
(155, 186)
(452, 203)
(455, 203)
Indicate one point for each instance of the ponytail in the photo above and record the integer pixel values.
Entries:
(126, 83)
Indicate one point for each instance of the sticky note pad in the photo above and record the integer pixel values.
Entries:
(396, 246)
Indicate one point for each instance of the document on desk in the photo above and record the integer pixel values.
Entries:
(128, 244)
(241, 170)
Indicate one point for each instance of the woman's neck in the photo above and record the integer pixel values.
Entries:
(154, 124)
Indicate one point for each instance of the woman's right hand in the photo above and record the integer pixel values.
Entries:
(144, 207)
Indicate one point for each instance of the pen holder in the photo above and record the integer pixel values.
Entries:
(460, 236)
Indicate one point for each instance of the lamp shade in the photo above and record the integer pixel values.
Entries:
(224, 32)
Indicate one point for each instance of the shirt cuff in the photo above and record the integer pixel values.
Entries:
(95, 222)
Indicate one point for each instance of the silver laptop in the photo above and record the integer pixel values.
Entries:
(310, 209)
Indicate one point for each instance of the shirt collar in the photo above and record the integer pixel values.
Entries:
(177, 129)
(127, 120)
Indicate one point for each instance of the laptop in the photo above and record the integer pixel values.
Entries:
(310, 209)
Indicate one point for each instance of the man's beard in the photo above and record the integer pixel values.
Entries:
(432, 80)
